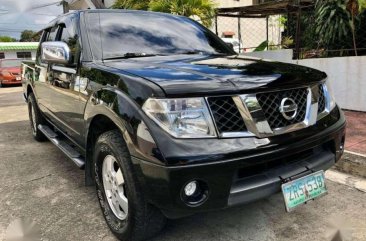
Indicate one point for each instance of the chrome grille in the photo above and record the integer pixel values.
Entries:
(271, 101)
(226, 114)
(321, 101)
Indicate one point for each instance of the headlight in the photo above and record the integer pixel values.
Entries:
(329, 96)
(5, 73)
(182, 118)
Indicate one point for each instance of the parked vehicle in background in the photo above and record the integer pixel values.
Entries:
(168, 121)
(234, 43)
(10, 72)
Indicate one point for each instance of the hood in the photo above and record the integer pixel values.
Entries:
(199, 75)
(13, 70)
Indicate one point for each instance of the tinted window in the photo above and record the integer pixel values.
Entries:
(24, 55)
(52, 34)
(142, 32)
(70, 37)
(2, 55)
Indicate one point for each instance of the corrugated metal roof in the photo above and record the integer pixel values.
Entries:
(18, 46)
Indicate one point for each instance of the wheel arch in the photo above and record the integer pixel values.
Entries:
(99, 124)
(29, 90)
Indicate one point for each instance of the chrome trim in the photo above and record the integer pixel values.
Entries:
(253, 115)
(328, 100)
(257, 124)
(236, 134)
(284, 109)
(310, 119)
(55, 52)
(64, 69)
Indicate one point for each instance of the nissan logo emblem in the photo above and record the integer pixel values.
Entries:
(288, 108)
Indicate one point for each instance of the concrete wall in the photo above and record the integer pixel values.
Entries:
(346, 75)
(283, 55)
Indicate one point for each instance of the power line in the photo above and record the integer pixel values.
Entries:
(44, 5)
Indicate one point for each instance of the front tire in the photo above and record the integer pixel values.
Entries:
(124, 206)
(35, 118)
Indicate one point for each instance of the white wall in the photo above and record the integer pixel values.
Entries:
(346, 75)
(13, 54)
(108, 3)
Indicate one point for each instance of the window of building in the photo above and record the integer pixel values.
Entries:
(2, 55)
(24, 55)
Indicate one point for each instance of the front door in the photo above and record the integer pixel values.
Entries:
(64, 100)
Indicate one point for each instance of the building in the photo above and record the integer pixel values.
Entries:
(18, 50)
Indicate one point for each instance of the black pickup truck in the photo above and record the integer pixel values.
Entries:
(167, 120)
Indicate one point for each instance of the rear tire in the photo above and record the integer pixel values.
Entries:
(136, 220)
(35, 118)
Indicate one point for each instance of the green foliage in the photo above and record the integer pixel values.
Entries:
(132, 4)
(261, 47)
(362, 5)
(287, 42)
(203, 9)
(333, 23)
(7, 39)
(29, 36)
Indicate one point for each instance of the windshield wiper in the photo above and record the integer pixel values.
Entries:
(131, 55)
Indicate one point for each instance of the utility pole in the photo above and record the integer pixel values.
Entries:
(65, 6)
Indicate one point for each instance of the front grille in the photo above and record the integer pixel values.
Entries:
(270, 103)
(321, 101)
(226, 114)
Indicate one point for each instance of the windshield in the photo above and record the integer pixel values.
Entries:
(153, 34)
(10, 63)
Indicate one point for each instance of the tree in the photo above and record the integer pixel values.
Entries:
(203, 9)
(7, 39)
(132, 4)
(29, 36)
(333, 24)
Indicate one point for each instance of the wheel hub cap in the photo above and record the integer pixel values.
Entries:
(114, 187)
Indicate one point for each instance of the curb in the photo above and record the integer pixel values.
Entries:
(352, 163)
(346, 179)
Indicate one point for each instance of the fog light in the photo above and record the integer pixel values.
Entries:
(190, 188)
(194, 193)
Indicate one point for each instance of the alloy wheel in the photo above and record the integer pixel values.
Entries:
(114, 187)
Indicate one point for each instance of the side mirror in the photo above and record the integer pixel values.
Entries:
(55, 52)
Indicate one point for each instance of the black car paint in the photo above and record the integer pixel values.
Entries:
(117, 89)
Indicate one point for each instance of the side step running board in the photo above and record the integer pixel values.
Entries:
(63, 146)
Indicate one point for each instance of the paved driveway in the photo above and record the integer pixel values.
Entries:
(38, 182)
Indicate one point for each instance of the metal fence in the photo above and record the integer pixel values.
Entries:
(284, 32)
(252, 33)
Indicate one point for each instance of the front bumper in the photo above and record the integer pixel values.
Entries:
(242, 179)
(11, 82)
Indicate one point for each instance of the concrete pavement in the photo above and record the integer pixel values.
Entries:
(38, 182)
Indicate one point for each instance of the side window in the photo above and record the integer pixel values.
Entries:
(52, 34)
(44, 38)
(69, 35)
(2, 55)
